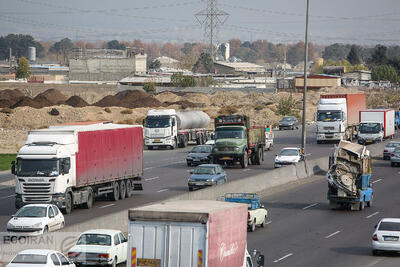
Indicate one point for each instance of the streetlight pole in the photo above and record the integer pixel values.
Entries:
(303, 130)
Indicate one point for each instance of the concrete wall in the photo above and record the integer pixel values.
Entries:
(318, 82)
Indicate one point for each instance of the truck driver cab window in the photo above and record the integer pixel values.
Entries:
(65, 165)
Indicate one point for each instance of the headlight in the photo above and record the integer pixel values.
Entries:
(191, 180)
(237, 148)
(215, 149)
(10, 225)
(36, 225)
(276, 160)
(210, 180)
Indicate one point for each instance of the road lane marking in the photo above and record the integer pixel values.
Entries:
(377, 181)
(373, 214)
(284, 257)
(246, 170)
(374, 263)
(310, 206)
(268, 222)
(152, 178)
(165, 165)
(335, 233)
(162, 190)
(7, 196)
(106, 206)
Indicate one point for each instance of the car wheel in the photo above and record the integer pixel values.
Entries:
(45, 229)
(62, 225)
(264, 223)
(190, 188)
(188, 164)
(392, 164)
(375, 252)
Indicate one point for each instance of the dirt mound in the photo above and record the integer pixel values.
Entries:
(6, 103)
(51, 96)
(76, 101)
(27, 101)
(12, 95)
(185, 104)
(129, 99)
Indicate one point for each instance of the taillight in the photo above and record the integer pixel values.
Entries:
(385, 150)
(72, 254)
(104, 255)
(248, 215)
(375, 237)
(392, 155)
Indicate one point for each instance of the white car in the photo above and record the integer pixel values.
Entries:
(100, 247)
(40, 258)
(288, 156)
(35, 219)
(386, 236)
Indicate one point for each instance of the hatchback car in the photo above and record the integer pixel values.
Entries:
(40, 258)
(206, 175)
(199, 155)
(395, 157)
(386, 236)
(288, 156)
(35, 219)
(288, 122)
(389, 148)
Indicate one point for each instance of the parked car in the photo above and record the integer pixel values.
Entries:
(40, 258)
(288, 122)
(199, 155)
(100, 247)
(395, 157)
(206, 175)
(389, 148)
(35, 219)
(386, 236)
(288, 156)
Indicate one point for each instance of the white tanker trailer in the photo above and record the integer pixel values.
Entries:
(168, 128)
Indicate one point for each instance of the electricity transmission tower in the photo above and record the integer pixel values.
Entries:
(211, 18)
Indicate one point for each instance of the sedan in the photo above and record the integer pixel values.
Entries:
(389, 148)
(386, 236)
(395, 157)
(35, 219)
(288, 156)
(206, 175)
(289, 122)
(199, 155)
(40, 258)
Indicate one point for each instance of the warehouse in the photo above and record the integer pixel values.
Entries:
(318, 81)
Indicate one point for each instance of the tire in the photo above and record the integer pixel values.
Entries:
(149, 147)
(258, 157)
(253, 227)
(62, 225)
(188, 164)
(129, 188)
(244, 160)
(114, 263)
(392, 164)
(319, 142)
(122, 189)
(362, 205)
(369, 203)
(190, 188)
(45, 229)
(89, 203)
(68, 204)
(375, 252)
(114, 196)
(264, 223)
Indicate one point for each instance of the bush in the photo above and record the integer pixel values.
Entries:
(228, 110)
(149, 87)
(6, 110)
(286, 106)
(126, 121)
(384, 73)
(126, 111)
(178, 80)
(108, 110)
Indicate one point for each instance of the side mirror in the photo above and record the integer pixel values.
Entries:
(13, 167)
(12, 216)
(173, 122)
(261, 260)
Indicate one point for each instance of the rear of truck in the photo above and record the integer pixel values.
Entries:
(188, 234)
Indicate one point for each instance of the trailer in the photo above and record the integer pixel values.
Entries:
(376, 125)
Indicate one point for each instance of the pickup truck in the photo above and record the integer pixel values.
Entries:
(256, 214)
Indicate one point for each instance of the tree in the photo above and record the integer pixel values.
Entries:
(204, 64)
(336, 52)
(384, 73)
(63, 47)
(353, 57)
(23, 70)
(19, 44)
(178, 80)
(379, 55)
(155, 65)
(114, 44)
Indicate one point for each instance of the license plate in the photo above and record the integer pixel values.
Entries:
(226, 157)
(157, 140)
(148, 262)
(369, 141)
(390, 238)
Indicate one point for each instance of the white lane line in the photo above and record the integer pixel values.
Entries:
(246, 170)
(7, 196)
(372, 215)
(106, 206)
(335, 233)
(162, 190)
(165, 165)
(377, 181)
(310, 206)
(268, 222)
(152, 178)
(284, 257)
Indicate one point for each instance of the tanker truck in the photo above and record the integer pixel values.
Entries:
(349, 177)
(166, 128)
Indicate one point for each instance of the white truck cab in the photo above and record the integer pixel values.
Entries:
(331, 119)
(160, 128)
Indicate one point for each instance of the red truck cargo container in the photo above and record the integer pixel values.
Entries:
(77, 162)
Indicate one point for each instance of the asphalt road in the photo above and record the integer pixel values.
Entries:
(303, 231)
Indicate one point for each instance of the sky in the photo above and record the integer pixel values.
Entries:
(363, 22)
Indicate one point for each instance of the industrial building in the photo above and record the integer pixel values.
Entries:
(168, 62)
(318, 81)
(238, 68)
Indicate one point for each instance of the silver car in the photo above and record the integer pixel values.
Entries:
(389, 148)
(395, 157)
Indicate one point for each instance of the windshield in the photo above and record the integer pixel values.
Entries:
(201, 149)
(329, 116)
(289, 152)
(204, 170)
(393, 144)
(222, 134)
(157, 122)
(31, 211)
(94, 239)
(287, 119)
(30, 258)
(389, 226)
(37, 167)
(370, 128)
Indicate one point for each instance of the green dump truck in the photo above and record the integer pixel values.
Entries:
(236, 141)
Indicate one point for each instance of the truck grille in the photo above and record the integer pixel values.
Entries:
(36, 198)
(331, 128)
(32, 188)
(226, 149)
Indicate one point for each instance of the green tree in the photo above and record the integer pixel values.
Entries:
(114, 44)
(353, 57)
(156, 64)
(23, 70)
(379, 55)
(63, 47)
(149, 87)
(286, 106)
(384, 73)
(19, 44)
(178, 80)
(204, 64)
(336, 52)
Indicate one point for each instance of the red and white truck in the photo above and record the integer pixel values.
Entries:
(71, 164)
(376, 125)
(338, 116)
(190, 233)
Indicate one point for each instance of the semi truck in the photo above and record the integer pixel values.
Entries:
(166, 128)
(338, 116)
(376, 125)
(71, 164)
(236, 141)
(349, 177)
(190, 233)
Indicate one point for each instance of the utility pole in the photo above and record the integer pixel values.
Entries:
(303, 130)
(10, 59)
(284, 68)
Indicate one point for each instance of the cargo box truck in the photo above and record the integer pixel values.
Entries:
(71, 164)
(190, 233)
(376, 125)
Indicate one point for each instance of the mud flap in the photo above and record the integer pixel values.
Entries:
(138, 187)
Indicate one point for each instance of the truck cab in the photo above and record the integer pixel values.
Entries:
(331, 119)
(370, 132)
(160, 128)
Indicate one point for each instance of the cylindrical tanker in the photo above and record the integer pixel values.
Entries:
(192, 119)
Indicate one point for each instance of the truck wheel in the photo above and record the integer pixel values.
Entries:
(253, 227)
(258, 157)
(68, 204)
(114, 263)
(128, 188)
(244, 160)
(369, 203)
(114, 195)
(362, 205)
(122, 189)
(264, 223)
(89, 203)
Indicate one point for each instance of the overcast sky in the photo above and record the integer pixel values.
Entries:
(346, 21)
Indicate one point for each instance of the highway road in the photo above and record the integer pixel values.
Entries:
(303, 231)
(165, 175)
